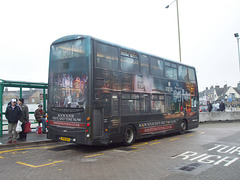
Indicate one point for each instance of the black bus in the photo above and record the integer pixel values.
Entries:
(100, 93)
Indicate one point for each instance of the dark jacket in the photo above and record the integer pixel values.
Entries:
(222, 106)
(25, 114)
(13, 114)
(38, 115)
(209, 107)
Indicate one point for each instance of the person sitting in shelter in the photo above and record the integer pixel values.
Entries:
(40, 116)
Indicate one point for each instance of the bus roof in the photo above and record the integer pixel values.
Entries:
(79, 36)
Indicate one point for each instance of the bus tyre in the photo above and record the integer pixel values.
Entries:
(183, 127)
(129, 136)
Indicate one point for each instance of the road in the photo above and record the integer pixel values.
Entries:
(211, 151)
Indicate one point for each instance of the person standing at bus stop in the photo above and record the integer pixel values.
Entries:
(13, 114)
(24, 119)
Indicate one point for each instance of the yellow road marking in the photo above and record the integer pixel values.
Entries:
(30, 165)
(23, 149)
(1, 157)
(189, 135)
(142, 144)
(155, 143)
(93, 155)
(174, 139)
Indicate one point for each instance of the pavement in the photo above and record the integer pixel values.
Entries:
(32, 138)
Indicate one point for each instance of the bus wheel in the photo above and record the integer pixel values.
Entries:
(129, 136)
(183, 127)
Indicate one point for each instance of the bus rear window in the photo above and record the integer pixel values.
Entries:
(67, 50)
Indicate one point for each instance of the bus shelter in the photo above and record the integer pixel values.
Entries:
(33, 94)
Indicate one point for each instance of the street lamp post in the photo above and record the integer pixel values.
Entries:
(237, 36)
(179, 39)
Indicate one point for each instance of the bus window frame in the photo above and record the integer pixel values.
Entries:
(137, 112)
(140, 64)
(124, 53)
(96, 56)
(151, 69)
(143, 100)
(152, 100)
(170, 66)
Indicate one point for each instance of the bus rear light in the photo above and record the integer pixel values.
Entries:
(106, 130)
(46, 121)
(88, 124)
(86, 131)
(88, 135)
(88, 119)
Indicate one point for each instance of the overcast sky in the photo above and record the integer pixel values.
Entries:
(207, 33)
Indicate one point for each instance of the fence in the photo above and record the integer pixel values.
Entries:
(33, 94)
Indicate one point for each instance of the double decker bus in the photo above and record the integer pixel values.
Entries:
(100, 93)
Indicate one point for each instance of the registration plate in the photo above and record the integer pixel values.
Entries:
(65, 139)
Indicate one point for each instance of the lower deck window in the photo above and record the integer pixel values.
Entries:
(130, 104)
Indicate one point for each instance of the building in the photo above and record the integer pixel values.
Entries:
(230, 95)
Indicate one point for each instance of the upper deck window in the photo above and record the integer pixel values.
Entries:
(156, 67)
(186, 74)
(191, 74)
(129, 62)
(107, 57)
(144, 64)
(170, 70)
(182, 73)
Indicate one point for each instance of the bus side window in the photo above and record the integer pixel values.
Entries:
(107, 57)
(129, 62)
(170, 72)
(130, 104)
(191, 74)
(144, 64)
(168, 101)
(156, 67)
(145, 103)
(158, 104)
(182, 73)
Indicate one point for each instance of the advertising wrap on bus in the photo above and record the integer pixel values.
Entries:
(68, 83)
(100, 93)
